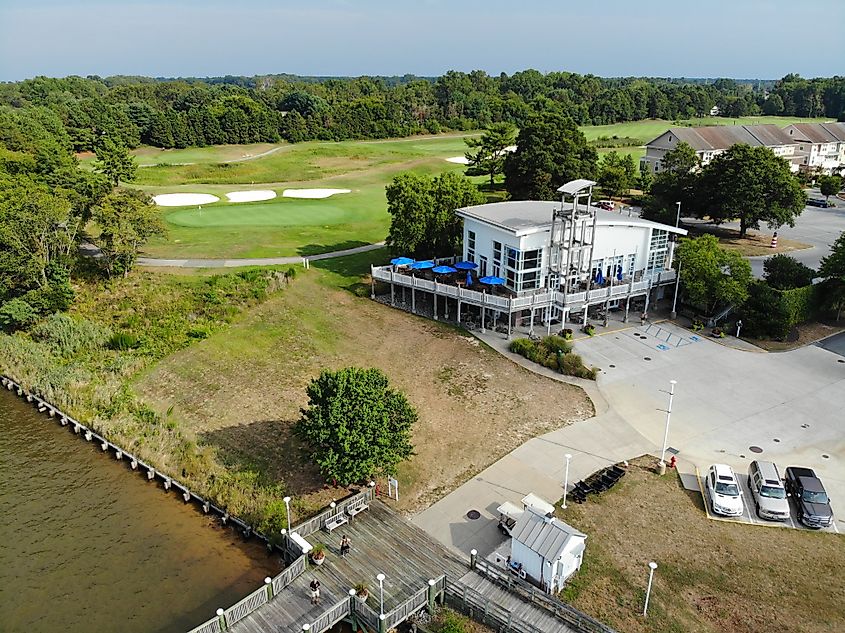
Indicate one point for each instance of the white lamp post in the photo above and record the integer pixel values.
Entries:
(287, 510)
(380, 579)
(568, 457)
(672, 384)
(651, 567)
(678, 217)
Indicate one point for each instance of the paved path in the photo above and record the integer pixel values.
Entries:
(151, 262)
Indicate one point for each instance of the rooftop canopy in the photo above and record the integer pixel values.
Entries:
(574, 186)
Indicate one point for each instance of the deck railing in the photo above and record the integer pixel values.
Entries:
(368, 615)
(288, 575)
(331, 617)
(212, 626)
(411, 605)
(246, 606)
(485, 610)
(316, 523)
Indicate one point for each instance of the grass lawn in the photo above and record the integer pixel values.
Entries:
(241, 390)
(712, 576)
(148, 156)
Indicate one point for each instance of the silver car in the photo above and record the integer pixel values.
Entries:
(768, 491)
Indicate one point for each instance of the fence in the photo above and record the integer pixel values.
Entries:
(485, 610)
(317, 522)
(331, 617)
(368, 615)
(246, 606)
(287, 576)
(411, 605)
(212, 626)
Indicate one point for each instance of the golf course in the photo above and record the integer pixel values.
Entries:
(292, 226)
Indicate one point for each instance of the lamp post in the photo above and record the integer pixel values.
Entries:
(674, 314)
(287, 510)
(568, 457)
(678, 217)
(672, 384)
(380, 579)
(651, 567)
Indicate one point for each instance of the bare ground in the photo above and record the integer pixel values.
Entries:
(808, 333)
(242, 389)
(753, 244)
(712, 576)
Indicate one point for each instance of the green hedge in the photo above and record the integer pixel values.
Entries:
(801, 303)
(548, 351)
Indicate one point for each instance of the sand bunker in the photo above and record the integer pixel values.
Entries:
(312, 193)
(460, 160)
(251, 196)
(184, 199)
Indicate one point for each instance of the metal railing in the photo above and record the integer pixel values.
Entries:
(246, 606)
(316, 523)
(288, 575)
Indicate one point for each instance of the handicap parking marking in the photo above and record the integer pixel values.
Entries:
(694, 339)
(662, 347)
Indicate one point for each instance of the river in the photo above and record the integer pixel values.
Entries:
(88, 545)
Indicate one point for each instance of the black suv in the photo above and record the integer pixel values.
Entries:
(810, 498)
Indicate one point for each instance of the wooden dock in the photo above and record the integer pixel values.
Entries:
(382, 542)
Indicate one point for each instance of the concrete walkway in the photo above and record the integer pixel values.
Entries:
(151, 262)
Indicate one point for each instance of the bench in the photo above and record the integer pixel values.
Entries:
(335, 522)
(356, 508)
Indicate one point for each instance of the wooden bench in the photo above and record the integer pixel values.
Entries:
(335, 522)
(356, 508)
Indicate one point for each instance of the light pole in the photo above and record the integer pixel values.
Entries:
(678, 217)
(287, 510)
(672, 384)
(674, 314)
(568, 457)
(380, 579)
(651, 567)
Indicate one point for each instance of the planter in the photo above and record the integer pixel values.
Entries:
(318, 561)
(362, 597)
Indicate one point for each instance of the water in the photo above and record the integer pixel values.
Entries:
(88, 545)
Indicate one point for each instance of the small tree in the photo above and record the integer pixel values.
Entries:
(785, 272)
(490, 150)
(833, 265)
(829, 186)
(355, 425)
(712, 276)
(115, 161)
(126, 219)
(614, 176)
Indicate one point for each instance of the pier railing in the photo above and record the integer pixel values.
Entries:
(411, 605)
(331, 617)
(246, 606)
(316, 523)
(287, 576)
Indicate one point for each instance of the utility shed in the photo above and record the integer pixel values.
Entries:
(548, 549)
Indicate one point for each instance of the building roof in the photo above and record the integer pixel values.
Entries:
(574, 186)
(524, 217)
(720, 137)
(547, 536)
(817, 132)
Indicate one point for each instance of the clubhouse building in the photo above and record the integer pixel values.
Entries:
(545, 263)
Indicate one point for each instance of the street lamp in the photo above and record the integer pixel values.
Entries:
(678, 217)
(651, 567)
(380, 579)
(672, 384)
(287, 510)
(568, 457)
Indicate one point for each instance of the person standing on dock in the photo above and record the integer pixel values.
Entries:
(315, 591)
(345, 545)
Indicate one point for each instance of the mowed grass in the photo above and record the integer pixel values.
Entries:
(148, 156)
(712, 576)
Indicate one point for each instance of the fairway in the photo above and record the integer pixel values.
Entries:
(276, 213)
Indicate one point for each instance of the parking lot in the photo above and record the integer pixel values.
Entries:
(696, 482)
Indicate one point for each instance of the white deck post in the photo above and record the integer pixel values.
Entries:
(483, 295)
(392, 290)
(459, 307)
(435, 299)
(413, 297)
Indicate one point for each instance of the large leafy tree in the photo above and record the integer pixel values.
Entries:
(486, 154)
(752, 185)
(784, 272)
(833, 265)
(829, 186)
(126, 219)
(675, 182)
(355, 425)
(115, 161)
(616, 173)
(712, 277)
(422, 209)
(550, 151)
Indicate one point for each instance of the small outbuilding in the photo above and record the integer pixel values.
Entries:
(546, 550)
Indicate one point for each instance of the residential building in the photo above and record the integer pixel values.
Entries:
(708, 142)
(555, 259)
(822, 146)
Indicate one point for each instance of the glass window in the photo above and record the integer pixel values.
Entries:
(497, 252)
(531, 260)
(471, 240)
(512, 258)
(729, 490)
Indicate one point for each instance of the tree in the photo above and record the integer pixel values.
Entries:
(833, 265)
(550, 151)
(489, 157)
(677, 181)
(126, 219)
(712, 277)
(750, 184)
(615, 176)
(423, 221)
(115, 161)
(785, 272)
(765, 313)
(355, 425)
(830, 186)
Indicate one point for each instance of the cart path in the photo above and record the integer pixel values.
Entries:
(151, 262)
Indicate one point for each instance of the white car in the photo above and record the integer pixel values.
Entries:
(724, 491)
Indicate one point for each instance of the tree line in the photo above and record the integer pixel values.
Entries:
(196, 112)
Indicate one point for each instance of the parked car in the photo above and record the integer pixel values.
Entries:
(767, 491)
(816, 202)
(725, 495)
(607, 205)
(810, 497)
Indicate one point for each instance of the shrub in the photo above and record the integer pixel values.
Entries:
(67, 336)
(522, 346)
(567, 334)
(573, 365)
(557, 344)
(785, 272)
(123, 341)
(16, 314)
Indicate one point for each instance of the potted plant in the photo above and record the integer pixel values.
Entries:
(318, 554)
(362, 592)
(567, 334)
(697, 326)
(589, 329)
(718, 332)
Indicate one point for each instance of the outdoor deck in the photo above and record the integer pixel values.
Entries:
(382, 542)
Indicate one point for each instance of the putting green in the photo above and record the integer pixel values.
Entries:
(280, 212)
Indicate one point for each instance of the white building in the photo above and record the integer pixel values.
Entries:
(557, 258)
(708, 142)
(821, 145)
(546, 550)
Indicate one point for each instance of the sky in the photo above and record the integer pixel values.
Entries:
(658, 38)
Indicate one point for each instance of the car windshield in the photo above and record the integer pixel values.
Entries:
(773, 491)
(727, 489)
(814, 497)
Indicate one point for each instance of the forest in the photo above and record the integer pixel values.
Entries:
(177, 113)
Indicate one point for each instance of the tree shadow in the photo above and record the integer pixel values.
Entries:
(353, 269)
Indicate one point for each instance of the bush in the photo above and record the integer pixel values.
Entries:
(765, 314)
(557, 344)
(784, 272)
(16, 314)
(123, 341)
(573, 365)
(68, 336)
(522, 346)
(801, 304)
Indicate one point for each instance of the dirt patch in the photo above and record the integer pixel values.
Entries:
(241, 390)
(753, 244)
(808, 333)
(711, 576)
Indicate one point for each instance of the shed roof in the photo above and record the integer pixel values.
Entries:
(546, 536)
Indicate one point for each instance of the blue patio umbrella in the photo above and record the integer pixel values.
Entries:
(422, 265)
(492, 281)
(599, 277)
(466, 265)
(619, 272)
(443, 270)
(401, 261)
(469, 278)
